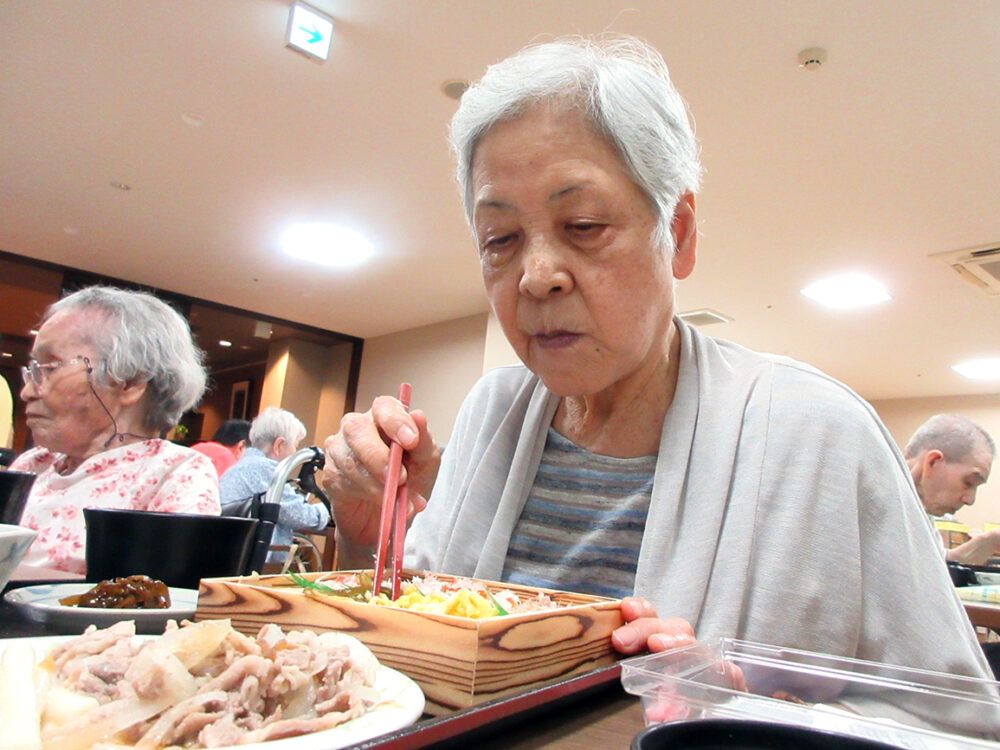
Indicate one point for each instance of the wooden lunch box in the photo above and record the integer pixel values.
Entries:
(457, 661)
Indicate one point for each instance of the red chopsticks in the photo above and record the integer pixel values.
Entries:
(394, 508)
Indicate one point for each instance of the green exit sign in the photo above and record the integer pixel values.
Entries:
(309, 31)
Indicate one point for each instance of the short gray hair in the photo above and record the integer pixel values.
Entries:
(274, 423)
(957, 437)
(142, 338)
(620, 84)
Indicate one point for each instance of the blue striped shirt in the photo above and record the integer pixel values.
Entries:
(582, 524)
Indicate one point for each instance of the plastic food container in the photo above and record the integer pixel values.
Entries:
(732, 679)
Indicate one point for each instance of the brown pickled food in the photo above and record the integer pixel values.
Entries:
(133, 592)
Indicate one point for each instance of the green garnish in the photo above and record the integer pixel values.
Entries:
(305, 583)
(500, 610)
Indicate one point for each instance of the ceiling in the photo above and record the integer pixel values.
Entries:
(886, 155)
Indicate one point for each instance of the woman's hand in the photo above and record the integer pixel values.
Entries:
(643, 630)
(357, 462)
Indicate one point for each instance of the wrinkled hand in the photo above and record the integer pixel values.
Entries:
(643, 630)
(357, 463)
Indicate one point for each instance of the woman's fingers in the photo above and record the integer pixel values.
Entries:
(357, 460)
(395, 422)
(634, 607)
(643, 630)
(652, 634)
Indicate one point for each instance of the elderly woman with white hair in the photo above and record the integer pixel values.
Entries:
(719, 491)
(274, 435)
(110, 371)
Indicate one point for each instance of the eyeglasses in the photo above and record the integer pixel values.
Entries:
(34, 372)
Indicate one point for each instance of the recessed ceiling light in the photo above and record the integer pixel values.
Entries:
(979, 369)
(119, 185)
(223, 342)
(847, 290)
(326, 244)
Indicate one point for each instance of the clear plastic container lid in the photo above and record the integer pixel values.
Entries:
(728, 678)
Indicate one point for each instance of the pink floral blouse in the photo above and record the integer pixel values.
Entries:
(151, 475)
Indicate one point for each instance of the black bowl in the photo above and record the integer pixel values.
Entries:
(740, 734)
(176, 548)
(961, 575)
(14, 489)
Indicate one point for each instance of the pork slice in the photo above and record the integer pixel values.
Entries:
(221, 733)
(163, 731)
(92, 642)
(87, 683)
(99, 676)
(232, 648)
(189, 728)
(294, 727)
(250, 694)
(288, 678)
(340, 702)
(233, 676)
(240, 643)
(109, 670)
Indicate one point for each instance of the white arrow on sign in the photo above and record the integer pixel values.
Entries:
(309, 31)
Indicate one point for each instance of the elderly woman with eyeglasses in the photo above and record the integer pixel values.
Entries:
(110, 372)
(718, 491)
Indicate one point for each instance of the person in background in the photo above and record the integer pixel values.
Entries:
(6, 414)
(950, 457)
(110, 370)
(227, 444)
(275, 434)
(720, 492)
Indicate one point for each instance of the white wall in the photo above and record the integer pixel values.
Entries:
(309, 380)
(904, 415)
(441, 362)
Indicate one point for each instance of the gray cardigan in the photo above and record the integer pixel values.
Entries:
(781, 512)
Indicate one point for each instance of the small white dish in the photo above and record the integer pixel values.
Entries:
(14, 542)
(41, 604)
(400, 703)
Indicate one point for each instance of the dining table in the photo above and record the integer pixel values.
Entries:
(588, 711)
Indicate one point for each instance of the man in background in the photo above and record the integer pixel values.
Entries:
(227, 444)
(949, 458)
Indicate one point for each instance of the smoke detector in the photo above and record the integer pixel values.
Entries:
(812, 58)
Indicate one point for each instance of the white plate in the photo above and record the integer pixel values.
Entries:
(401, 702)
(41, 604)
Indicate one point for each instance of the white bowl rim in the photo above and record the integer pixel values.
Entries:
(9, 530)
